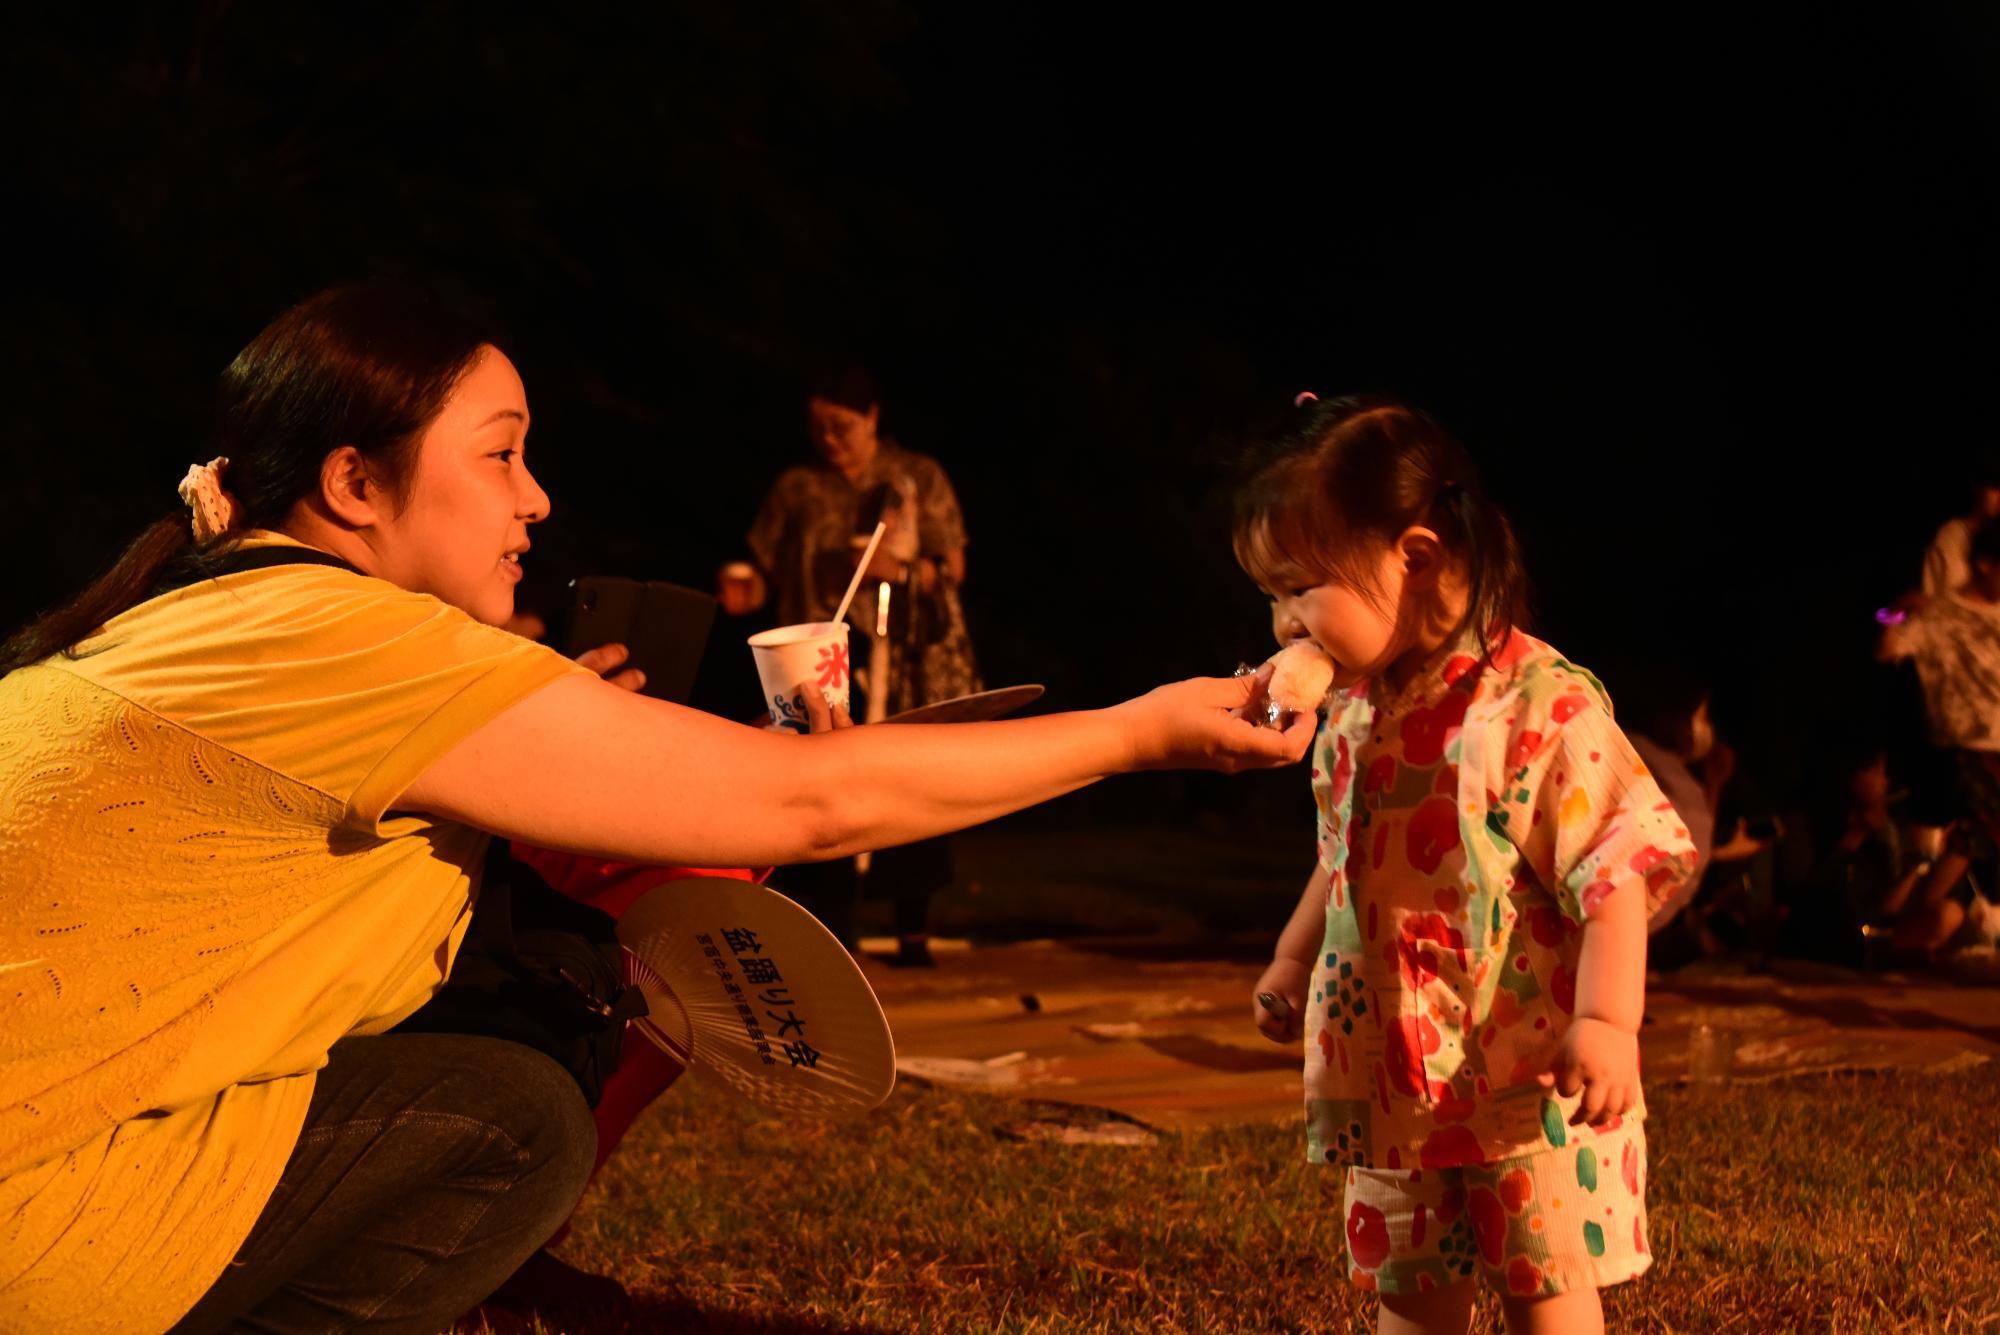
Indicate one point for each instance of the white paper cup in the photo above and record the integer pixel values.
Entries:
(813, 655)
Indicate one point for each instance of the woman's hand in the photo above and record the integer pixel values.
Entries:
(739, 588)
(1199, 724)
(1277, 1003)
(1253, 707)
(605, 661)
(885, 568)
(819, 714)
(1602, 1061)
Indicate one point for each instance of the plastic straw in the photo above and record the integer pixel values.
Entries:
(855, 584)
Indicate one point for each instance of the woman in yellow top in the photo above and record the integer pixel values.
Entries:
(241, 821)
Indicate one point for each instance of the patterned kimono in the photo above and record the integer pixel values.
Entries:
(803, 538)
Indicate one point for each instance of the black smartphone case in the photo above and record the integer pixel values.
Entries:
(664, 625)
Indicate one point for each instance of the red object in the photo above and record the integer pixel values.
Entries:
(644, 1071)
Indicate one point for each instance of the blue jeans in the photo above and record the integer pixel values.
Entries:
(429, 1168)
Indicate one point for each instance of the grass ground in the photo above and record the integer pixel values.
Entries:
(1842, 1203)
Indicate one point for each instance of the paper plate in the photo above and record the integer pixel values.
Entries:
(747, 987)
(975, 708)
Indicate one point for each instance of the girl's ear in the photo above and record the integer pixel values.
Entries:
(1422, 555)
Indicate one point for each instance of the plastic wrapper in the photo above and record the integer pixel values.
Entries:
(1301, 675)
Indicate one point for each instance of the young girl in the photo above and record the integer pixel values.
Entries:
(1468, 958)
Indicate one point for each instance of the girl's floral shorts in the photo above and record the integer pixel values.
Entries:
(1542, 1223)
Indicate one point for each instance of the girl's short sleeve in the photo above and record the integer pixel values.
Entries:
(1575, 798)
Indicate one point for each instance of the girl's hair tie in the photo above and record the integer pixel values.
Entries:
(1303, 398)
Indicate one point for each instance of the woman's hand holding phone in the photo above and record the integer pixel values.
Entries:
(606, 659)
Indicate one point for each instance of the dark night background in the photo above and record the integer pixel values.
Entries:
(1710, 294)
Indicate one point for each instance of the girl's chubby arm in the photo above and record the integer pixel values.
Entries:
(1599, 1054)
(1277, 1003)
(1599, 835)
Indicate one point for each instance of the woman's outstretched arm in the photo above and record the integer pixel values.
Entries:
(583, 766)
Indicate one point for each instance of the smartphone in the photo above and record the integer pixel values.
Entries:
(664, 625)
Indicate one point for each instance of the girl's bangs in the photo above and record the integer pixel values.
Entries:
(1287, 533)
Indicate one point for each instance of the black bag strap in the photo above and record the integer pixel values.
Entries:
(493, 920)
(254, 558)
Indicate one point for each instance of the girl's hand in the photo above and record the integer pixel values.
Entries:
(1193, 725)
(605, 659)
(1284, 983)
(1602, 1061)
(884, 565)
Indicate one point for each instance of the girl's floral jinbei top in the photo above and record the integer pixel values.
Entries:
(1468, 827)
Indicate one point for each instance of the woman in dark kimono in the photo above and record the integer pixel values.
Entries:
(806, 538)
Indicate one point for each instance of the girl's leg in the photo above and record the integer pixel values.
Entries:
(429, 1167)
(1446, 1311)
(1577, 1312)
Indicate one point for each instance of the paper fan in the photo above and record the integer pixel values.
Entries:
(746, 986)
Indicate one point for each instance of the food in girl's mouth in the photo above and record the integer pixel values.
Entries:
(1300, 676)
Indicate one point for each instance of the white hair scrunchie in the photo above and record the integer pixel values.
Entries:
(215, 510)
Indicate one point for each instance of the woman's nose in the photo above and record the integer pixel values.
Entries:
(534, 504)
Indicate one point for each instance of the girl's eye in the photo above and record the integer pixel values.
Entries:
(506, 455)
(1300, 593)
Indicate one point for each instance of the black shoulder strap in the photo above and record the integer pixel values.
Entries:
(255, 558)
(260, 558)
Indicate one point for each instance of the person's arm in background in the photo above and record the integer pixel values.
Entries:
(932, 507)
(1946, 561)
(1743, 844)
(743, 588)
(1902, 638)
(740, 588)
(941, 525)
(925, 570)
(1946, 872)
